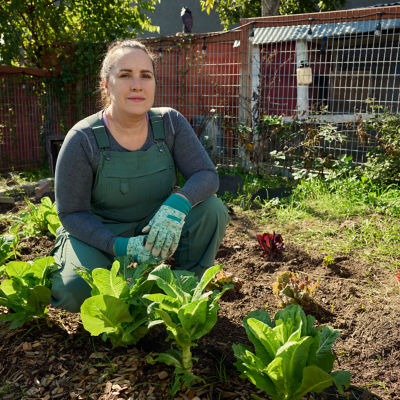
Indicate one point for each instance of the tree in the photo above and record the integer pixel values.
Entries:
(32, 31)
(230, 11)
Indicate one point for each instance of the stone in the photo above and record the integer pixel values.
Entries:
(7, 200)
(44, 186)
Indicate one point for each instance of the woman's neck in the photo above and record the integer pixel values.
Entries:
(129, 131)
(125, 123)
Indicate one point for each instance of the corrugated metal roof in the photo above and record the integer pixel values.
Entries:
(296, 32)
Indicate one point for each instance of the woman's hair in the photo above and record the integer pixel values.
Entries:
(110, 59)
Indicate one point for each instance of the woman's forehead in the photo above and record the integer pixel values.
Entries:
(132, 57)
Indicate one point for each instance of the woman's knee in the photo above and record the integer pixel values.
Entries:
(214, 208)
(69, 291)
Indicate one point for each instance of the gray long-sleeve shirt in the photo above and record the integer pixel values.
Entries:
(77, 165)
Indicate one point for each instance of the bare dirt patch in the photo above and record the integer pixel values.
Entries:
(60, 360)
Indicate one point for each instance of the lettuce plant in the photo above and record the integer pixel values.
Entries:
(9, 244)
(26, 290)
(294, 289)
(292, 357)
(6, 252)
(39, 219)
(187, 313)
(116, 309)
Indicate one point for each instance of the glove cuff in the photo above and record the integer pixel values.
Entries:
(120, 246)
(178, 202)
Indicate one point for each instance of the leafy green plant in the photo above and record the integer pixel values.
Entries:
(9, 245)
(292, 288)
(292, 358)
(26, 291)
(39, 219)
(116, 309)
(187, 313)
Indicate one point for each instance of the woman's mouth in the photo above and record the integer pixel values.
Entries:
(136, 99)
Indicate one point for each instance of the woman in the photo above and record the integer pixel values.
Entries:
(114, 182)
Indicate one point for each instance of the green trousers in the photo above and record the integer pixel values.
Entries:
(202, 234)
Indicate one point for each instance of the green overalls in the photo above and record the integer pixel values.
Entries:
(128, 190)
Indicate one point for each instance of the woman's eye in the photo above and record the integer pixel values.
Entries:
(147, 76)
(124, 76)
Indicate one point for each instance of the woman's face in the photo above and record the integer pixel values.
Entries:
(131, 84)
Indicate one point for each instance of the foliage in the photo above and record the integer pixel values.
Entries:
(44, 29)
(39, 220)
(116, 309)
(9, 245)
(292, 358)
(26, 290)
(383, 160)
(293, 289)
(187, 313)
(230, 11)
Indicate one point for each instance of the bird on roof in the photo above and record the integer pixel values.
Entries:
(187, 20)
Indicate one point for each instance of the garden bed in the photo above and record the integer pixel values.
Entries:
(60, 360)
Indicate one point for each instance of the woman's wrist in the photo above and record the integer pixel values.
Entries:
(179, 202)
(120, 246)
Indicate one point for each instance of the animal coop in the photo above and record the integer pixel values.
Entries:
(323, 72)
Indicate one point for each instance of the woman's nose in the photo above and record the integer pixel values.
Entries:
(135, 85)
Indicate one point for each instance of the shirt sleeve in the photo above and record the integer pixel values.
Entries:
(191, 159)
(74, 176)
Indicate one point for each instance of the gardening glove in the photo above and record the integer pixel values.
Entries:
(165, 227)
(133, 247)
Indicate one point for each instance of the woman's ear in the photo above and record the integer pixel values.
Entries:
(105, 84)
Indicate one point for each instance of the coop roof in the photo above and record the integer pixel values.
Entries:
(277, 34)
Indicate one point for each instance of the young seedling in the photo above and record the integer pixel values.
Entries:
(188, 313)
(39, 219)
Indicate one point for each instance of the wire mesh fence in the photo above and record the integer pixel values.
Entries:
(323, 70)
(326, 72)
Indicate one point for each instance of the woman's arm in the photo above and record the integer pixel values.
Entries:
(75, 171)
(191, 159)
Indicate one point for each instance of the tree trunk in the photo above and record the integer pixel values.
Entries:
(269, 7)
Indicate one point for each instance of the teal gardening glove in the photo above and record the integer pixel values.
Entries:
(165, 227)
(134, 248)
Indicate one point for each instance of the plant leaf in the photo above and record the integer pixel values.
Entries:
(38, 299)
(109, 283)
(104, 313)
(168, 303)
(263, 338)
(294, 358)
(254, 369)
(341, 379)
(165, 280)
(205, 280)
(314, 380)
(324, 357)
(171, 357)
(193, 316)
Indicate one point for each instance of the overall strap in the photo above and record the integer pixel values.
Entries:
(157, 123)
(96, 123)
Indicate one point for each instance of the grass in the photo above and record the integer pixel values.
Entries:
(349, 215)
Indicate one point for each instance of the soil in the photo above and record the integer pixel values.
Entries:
(58, 359)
